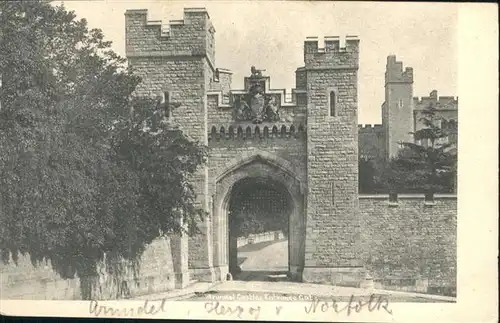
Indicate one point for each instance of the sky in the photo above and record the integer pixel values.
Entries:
(271, 34)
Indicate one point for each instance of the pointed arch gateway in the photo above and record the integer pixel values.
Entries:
(274, 172)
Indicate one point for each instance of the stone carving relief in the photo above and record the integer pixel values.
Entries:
(241, 109)
(272, 108)
(255, 72)
(256, 105)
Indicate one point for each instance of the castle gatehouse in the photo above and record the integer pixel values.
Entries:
(290, 156)
(303, 146)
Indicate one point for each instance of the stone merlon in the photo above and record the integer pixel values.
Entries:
(224, 70)
(191, 36)
(394, 71)
(188, 12)
(334, 54)
(370, 128)
(448, 102)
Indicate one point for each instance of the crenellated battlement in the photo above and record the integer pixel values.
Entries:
(221, 82)
(440, 102)
(251, 131)
(334, 53)
(394, 71)
(191, 36)
(370, 127)
(402, 199)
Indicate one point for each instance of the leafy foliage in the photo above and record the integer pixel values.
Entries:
(429, 163)
(257, 207)
(368, 176)
(80, 176)
(245, 223)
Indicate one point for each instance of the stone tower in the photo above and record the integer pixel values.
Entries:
(332, 250)
(179, 64)
(397, 110)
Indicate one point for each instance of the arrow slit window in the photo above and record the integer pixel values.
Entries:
(333, 101)
(332, 191)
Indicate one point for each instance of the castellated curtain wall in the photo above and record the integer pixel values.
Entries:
(410, 241)
(410, 238)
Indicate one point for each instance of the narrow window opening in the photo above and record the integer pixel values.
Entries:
(257, 132)
(213, 133)
(332, 190)
(332, 104)
(266, 132)
(216, 75)
(275, 131)
(283, 131)
(400, 103)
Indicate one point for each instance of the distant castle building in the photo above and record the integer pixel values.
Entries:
(401, 113)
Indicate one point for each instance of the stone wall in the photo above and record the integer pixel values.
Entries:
(411, 238)
(332, 232)
(371, 141)
(241, 163)
(192, 36)
(394, 71)
(300, 78)
(224, 151)
(446, 108)
(440, 102)
(332, 161)
(180, 62)
(23, 281)
(332, 54)
(260, 237)
(223, 84)
(220, 112)
(397, 111)
(401, 112)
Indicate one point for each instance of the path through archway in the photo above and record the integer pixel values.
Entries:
(274, 174)
(259, 220)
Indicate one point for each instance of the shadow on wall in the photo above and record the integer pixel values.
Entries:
(410, 241)
(41, 283)
(263, 275)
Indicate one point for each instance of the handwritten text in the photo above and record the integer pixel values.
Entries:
(148, 308)
(237, 310)
(375, 303)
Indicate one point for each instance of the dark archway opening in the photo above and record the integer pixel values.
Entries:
(259, 223)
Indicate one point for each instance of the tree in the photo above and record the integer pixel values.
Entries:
(428, 164)
(81, 179)
(367, 173)
(246, 222)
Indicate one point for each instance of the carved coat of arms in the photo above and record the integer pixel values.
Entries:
(256, 105)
